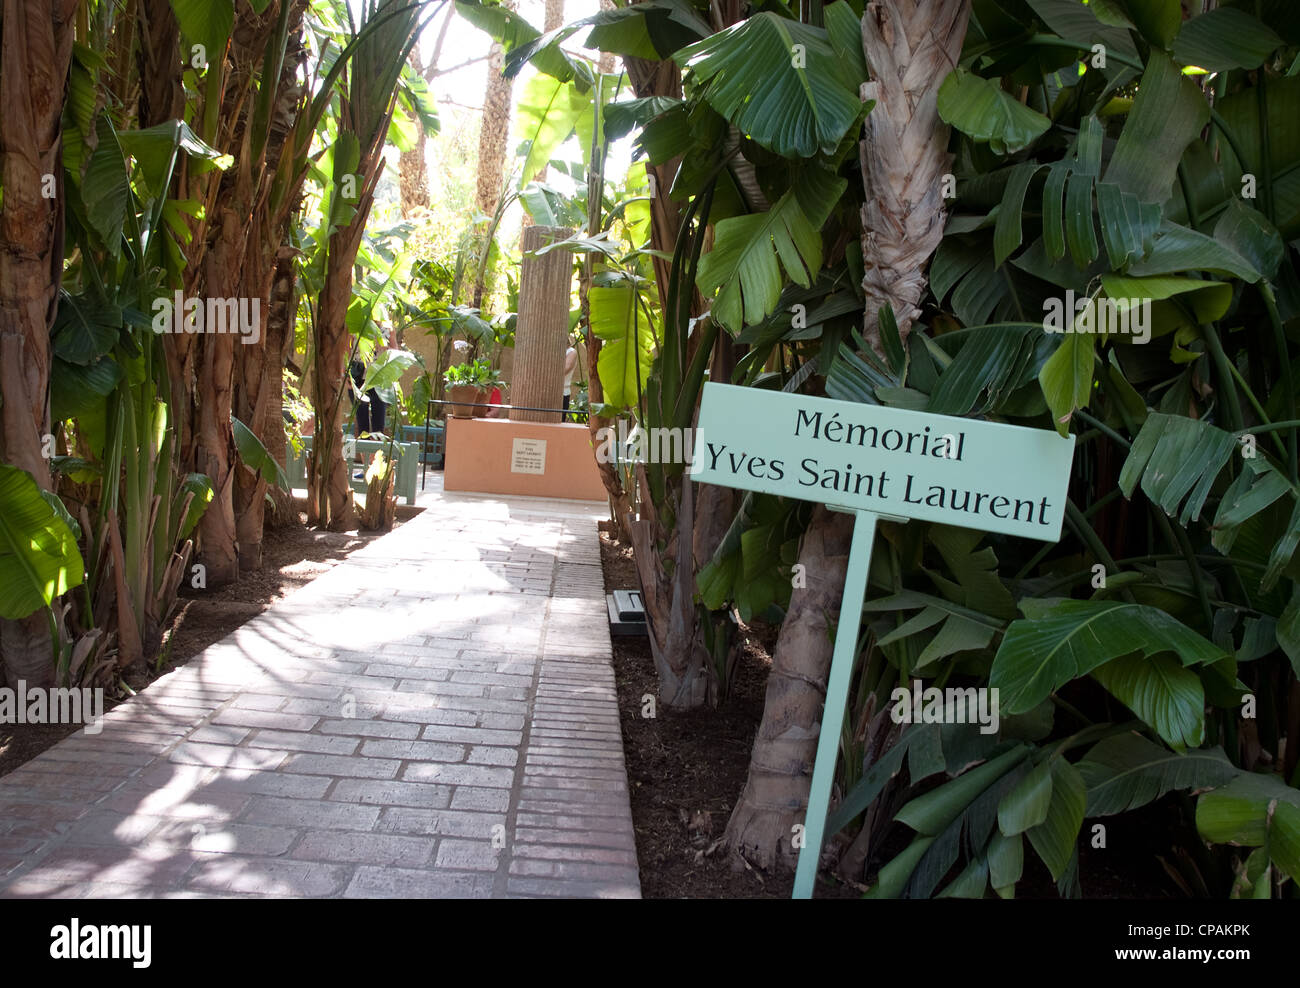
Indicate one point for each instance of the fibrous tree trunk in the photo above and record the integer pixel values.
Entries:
(666, 532)
(541, 332)
(329, 497)
(910, 48)
(214, 438)
(35, 52)
(780, 766)
(493, 136)
(681, 659)
(413, 173)
(279, 334)
(268, 263)
(904, 154)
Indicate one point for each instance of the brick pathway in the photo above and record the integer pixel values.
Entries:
(435, 716)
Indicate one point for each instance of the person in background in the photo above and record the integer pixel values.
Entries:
(570, 366)
(370, 414)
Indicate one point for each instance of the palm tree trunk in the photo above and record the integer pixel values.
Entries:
(493, 136)
(780, 767)
(904, 154)
(259, 367)
(279, 339)
(35, 52)
(910, 47)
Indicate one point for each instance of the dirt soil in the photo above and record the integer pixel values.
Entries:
(291, 558)
(686, 770)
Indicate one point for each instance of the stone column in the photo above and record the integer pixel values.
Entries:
(542, 330)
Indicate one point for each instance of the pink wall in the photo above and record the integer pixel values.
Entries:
(481, 454)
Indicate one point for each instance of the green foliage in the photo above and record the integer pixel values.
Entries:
(39, 557)
(478, 373)
(779, 81)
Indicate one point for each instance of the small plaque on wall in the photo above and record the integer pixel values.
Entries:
(528, 456)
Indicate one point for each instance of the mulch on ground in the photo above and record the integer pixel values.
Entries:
(686, 770)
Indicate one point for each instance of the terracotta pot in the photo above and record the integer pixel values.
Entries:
(463, 395)
(483, 395)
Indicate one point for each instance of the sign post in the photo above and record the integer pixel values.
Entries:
(875, 462)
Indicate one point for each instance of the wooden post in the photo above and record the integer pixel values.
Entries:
(542, 330)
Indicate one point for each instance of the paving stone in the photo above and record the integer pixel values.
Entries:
(475, 798)
(273, 876)
(310, 813)
(375, 849)
(370, 729)
(403, 883)
(467, 775)
(425, 751)
(295, 741)
(384, 792)
(455, 823)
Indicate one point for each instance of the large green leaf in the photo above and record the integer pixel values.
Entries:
(1176, 459)
(1177, 249)
(207, 22)
(1006, 856)
(959, 629)
(1254, 810)
(85, 328)
(1054, 839)
(628, 342)
(1205, 300)
(1128, 225)
(1027, 804)
(864, 793)
(39, 558)
(1161, 692)
(1066, 378)
(1126, 771)
(932, 812)
(779, 81)
(1281, 125)
(1225, 38)
(1008, 233)
(75, 389)
(255, 456)
(1061, 640)
(1167, 115)
(981, 110)
(992, 362)
(201, 487)
(743, 265)
(106, 188)
(545, 115)
(388, 369)
(155, 150)
(1249, 234)
(1079, 23)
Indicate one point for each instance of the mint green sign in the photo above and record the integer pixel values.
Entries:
(985, 475)
(875, 462)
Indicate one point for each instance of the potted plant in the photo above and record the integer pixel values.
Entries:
(487, 377)
(462, 382)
